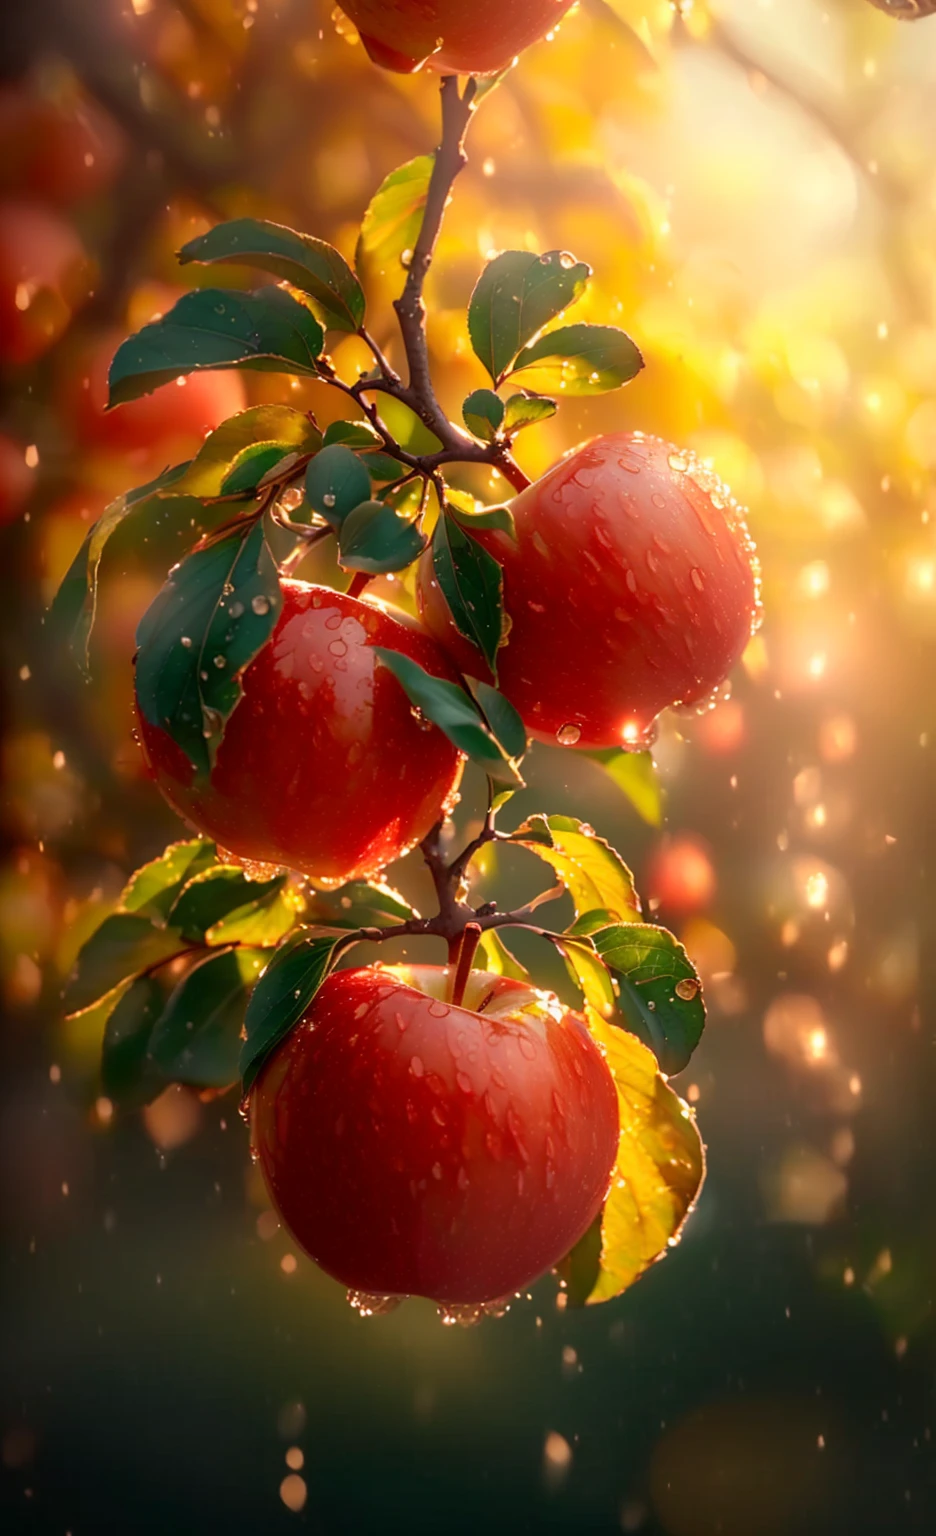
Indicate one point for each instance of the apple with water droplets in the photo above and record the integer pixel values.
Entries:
(449, 35)
(324, 766)
(632, 585)
(416, 1148)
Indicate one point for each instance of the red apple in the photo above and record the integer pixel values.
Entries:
(449, 35)
(16, 478)
(680, 876)
(167, 426)
(417, 1148)
(632, 585)
(44, 276)
(324, 766)
(61, 150)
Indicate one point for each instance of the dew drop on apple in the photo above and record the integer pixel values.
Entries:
(569, 735)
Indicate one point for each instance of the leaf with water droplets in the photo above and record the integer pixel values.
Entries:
(636, 777)
(128, 1076)
(197, 1038)
(360, 904)
(394, 215)
(472, 583)
(374, 538)
(579, 360)
(515, 296)
(224, 599)
(218, 328)
(282, 995)
(657, 1177)
(336, 482)
(215, 894)
(455, 712)
(308, 264)
(659, 991)
(125, 945)
(593, 872)
(154, 887)
(523, 410)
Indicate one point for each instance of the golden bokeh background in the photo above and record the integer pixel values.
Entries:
(754, 184)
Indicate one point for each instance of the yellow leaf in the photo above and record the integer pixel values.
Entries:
(659, 1170)
(590, 869)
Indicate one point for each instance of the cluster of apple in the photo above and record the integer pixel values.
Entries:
(450, 1131)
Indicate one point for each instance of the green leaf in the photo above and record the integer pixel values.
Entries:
(657, 1177)
(336, 482)
(589, 922)
(503, 720)
(154, 887)
(472, 583)
(659, 991)
(218, 328)
(215, 894)
(497, 957)
(500, 518)
(262, 923)
(594, 874)
(394, 215)
(515, 296)
(255, 465)
(380, 466)
(308, 264)
(353, 434)
(126, 944)
(374, 538)
(482, 413)
(74, 606)
(217, 610)
(591, 974)
(197, 1037)
(580, 360)
(635, 775)
(454, 712)
(360, 904)
(128, 1076)
(227, 449)
(526, 410)
(282, 996)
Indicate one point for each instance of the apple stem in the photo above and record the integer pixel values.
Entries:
(359, 581)
(467, 949)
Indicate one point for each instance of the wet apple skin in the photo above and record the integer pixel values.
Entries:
(415, 1148)
(632, 585)
(451, 36)
(324, 767)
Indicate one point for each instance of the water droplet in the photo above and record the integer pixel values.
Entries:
(329, 499)
(569, 735)
(406, 259)
(463, 1081)
(369, 1305)
(565, 260)
(416, 1066)
(438, 1010)
(186, 640)
(260, 604)
(235, 609)
(220, 661)
(697, 579)
(687, 989)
